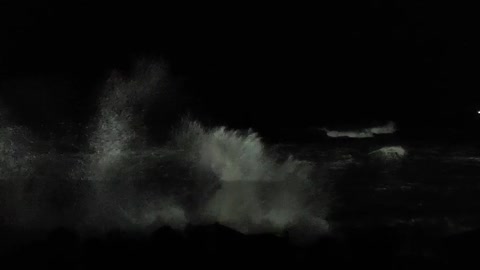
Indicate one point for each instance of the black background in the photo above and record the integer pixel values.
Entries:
(268, 66)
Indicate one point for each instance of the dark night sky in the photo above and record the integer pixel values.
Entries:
(257, 65)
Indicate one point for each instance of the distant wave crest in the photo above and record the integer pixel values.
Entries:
(389, 128)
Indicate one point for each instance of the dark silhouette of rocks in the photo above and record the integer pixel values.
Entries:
(217, 246)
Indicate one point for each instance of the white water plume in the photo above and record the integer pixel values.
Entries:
(120, 153)
(258, 190)
(119, 126)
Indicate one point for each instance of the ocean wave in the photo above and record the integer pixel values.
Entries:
(389, 153)
(389, 128)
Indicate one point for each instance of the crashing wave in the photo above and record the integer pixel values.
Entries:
(123, 180)
(207, 175)
(257, 190)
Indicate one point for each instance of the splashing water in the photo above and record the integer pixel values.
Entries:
(119, 121)
(120, 156)
(258, 191)
(202, 176)
(230, 177)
